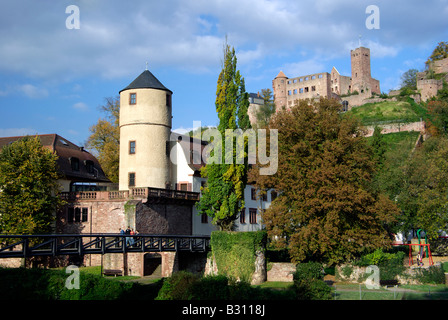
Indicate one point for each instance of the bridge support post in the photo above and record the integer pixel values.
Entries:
(170, 263)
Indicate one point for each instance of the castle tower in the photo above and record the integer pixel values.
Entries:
(145, 126)
(360, 60)
(279, 90)
(361, 74)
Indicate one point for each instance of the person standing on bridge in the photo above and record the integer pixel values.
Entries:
(128, 239)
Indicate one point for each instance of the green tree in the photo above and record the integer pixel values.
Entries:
(438, 112)
(379, 145)
(326, 209)
(266, 110)
(409, 79)
(223, 196)
(424, 194)
(28, 187)
(440, 52)
(105, 139)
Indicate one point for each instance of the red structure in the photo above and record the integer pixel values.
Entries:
(411, 261)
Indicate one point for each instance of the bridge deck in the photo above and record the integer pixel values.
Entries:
(25, 246)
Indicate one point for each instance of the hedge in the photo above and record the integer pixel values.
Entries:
(235, 252)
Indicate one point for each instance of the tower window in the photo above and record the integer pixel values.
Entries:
(131, 147)
(131, 179)
(133, 98)
(168, 100)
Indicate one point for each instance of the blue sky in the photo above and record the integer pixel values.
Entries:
(53, 79)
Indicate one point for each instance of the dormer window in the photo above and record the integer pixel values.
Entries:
(133, 98)
(74, 162)
(89, 166)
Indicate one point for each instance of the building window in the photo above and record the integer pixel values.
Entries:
(74, 163)
(264, 197)
(183, 187)
(253, 194)
(273, 195)
(301, 90)
(313, 88)
(306, 89)
(243, 216)
(168, 100)
(131, 179)
(252, 216)
(89, 166)
(76, 214)
(133, 98)
(204, 218)
(131, 147)
(295, 91)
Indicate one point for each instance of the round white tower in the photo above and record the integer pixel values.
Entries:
(145, 127)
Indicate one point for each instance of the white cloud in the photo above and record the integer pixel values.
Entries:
(117, 37)
(32, 91)
(81, 106)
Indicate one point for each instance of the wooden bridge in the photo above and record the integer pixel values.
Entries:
(25, 246)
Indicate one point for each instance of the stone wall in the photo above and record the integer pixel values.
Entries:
(281, 271)
(397, 127)
(428, 88)
(440, 66)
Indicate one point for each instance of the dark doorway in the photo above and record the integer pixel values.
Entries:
(152, 264)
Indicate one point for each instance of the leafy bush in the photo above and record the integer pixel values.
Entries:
(309, 271)
(390, 264)
(235, 252)
(186, 286)
(177, 287)
(210, 288)
(41, 284)
(309, 284)
(433, 274)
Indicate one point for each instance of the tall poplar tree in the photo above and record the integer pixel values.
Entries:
(223, 196)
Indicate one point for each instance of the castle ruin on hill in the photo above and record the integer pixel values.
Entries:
(328, 85)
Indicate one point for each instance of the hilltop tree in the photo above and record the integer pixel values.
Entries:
(409, 79)
(223, 196)
(28, 187)
(326, 208)
(105, 138)
(440, 52)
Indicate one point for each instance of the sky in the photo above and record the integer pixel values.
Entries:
(58, 66)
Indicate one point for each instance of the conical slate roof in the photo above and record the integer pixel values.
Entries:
(146, 80)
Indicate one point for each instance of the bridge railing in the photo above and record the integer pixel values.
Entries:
(23, 246)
